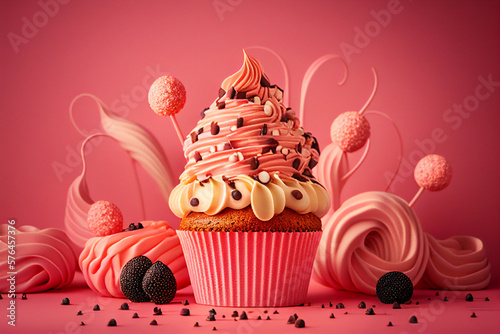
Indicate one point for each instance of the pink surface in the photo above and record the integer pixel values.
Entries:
(42, 313)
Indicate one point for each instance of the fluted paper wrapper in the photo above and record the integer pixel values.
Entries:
(249, 269)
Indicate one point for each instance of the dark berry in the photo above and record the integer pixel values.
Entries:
(159, 283)
(131, 277)
(393, 287)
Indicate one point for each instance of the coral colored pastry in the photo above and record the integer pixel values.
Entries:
(248, 200)
(103, 257)
(44, 259)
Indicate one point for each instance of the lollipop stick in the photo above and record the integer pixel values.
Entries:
(177, 129)
(420, 191)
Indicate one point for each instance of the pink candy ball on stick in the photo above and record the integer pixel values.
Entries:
(350, 131)
(167, 97)
(432, 173)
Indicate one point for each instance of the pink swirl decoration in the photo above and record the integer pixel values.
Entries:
(44, 259)
(143, 149)
(370, 234)
(103, 258)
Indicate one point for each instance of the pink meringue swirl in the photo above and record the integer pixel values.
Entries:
(248, 131)
(44, 259)
(456, 263)
(370, 234)
(103, 257)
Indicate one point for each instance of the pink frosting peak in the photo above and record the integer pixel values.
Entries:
(103, 257)
(248, 78)
(44, 259)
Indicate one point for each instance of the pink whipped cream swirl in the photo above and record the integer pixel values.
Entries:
(248, 132)
(376, 232)
(370, 234)
(44, 259)
(103, 258)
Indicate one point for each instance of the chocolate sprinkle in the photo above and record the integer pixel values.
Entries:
(112, 323)
(65, 301)
(264, 82)
(211, 317)
(24, 296)
(259, 318)
(339, 306)
(135, 316)
(389, 324)
(82, 323)
(214, 128)
(194, 201)
(331, 304)
(300, 323)
(296, 163)
(297, 194)
(186, 302)
(299, 147)
(322, 305)
(236, 194)
(312, 163)
(222, 92)
(291, 320)
(268, 318)
(254, 163)
(486, 299)
(243, 316)
(332, 316)
(370, 311)
(157, 311)
(194, 137)
(80, 312)
(197, 156)
(362, 305)
(276, 312)
(214, 329)
(202, 113)
(124, 306)
(185, 312)
(239, 122)
(221, 105)
(263, 132)
(196, 324)
(473, 315)
(241, 95)
(413, 320)
(232, 93)
(153, 323)
(235, 314)
(212, 311)
(200, 130)
(445, 299)
(96, 307)
(469, 297)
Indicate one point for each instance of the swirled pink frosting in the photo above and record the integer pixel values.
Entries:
(102, 259)
(44, 259)
(370, 234)
(245, 133)
(376, 232)
(456, 263)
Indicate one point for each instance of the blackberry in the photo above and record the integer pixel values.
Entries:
(159, 283)
(393, 287)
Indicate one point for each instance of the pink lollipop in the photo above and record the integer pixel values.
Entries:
(432, 173)
(166, 97)
(350, 131)
(104, 218)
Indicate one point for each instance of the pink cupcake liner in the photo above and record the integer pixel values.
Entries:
(249, 269)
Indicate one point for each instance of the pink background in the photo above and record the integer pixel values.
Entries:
(428, 55)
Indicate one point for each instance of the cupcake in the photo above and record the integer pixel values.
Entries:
(249, 203)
